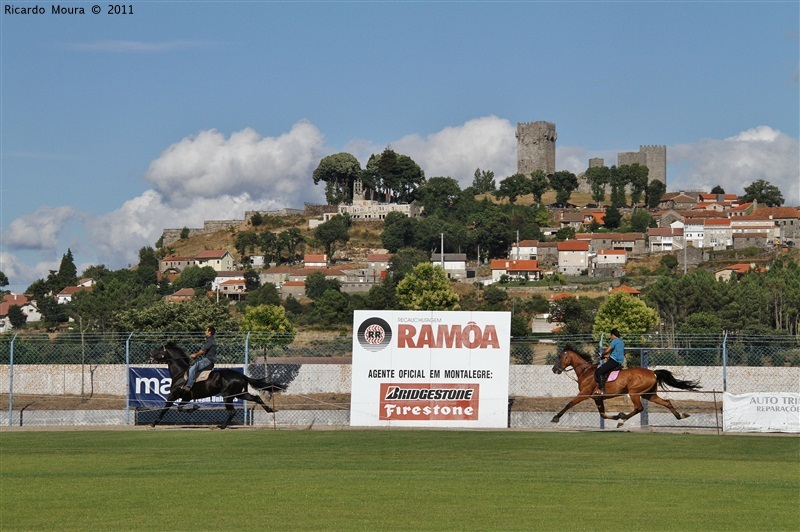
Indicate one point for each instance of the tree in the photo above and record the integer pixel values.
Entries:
(539, 184)
(3, 280)
(193, 315)
(251, 280)
(514, 186)
(563, 182)
(427, 288)
(67, 273)
(641, 221)
(637, 177)
(339, 172)
(147, 269)
(398, 231)
(112, 293)
(627, 313)
(195, 277)
(317, 284)
(246, 243)
(618, 178)
(337, 229)
(612, 218)
(393, 175)
(266, 294)
(438, 195)
(292, 238)
(763, 192)
(575, 314)
(655, 191)
(332, 308)
(404, 261)
(597, 177)
(495, 297)
(268, 326)
(16, 316)
(718, 190)
(483, 182)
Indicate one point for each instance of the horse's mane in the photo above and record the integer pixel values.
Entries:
(174, 346)
(586, 357)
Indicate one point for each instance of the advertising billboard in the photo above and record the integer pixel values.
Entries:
(430, 369)
(149, 387)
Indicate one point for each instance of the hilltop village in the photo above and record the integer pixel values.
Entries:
(541, 230)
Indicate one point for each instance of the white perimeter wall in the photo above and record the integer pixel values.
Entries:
(528, 381)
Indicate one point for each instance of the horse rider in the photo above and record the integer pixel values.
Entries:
(207, 357)
(613, 358)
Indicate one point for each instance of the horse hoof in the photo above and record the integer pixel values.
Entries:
(152, 425)
(619, 425)
(555, 419)
(684, 416)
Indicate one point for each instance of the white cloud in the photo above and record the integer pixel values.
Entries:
(488, 143)
(208, 165)
(735, 162)
(39, 229)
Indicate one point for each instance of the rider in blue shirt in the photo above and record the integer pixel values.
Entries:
(208, 357)
(614, 356)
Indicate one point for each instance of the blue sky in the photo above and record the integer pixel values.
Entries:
(117, 126)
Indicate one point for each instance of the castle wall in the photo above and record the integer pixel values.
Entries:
(653, 157)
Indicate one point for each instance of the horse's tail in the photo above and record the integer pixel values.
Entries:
(666, 378)
(265, 385)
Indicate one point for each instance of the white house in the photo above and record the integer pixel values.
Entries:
(526, 250)
(219, 259)
(224, 277)
(455, 264)
(573, 257)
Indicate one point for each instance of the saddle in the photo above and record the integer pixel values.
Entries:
(200, 377)
(613, 375)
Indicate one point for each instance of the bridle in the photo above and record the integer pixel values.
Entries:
(564, 369)
(167, 358)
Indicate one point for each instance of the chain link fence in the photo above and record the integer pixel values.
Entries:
(89, 379)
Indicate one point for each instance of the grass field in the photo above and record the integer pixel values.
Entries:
(199, 479)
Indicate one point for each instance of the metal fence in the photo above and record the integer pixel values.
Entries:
(83, 379)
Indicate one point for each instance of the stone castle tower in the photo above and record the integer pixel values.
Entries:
(536, 147)
(653, 157)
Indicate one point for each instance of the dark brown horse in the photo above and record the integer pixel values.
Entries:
(226, 382)
(639, 383)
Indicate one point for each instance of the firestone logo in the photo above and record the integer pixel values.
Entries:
(374, 334)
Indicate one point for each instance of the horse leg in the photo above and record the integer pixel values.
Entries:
(578, 398)
(654, 398)
(259, 400)
(601, 408)
(231, 412)
(167, 406)
(637, 407)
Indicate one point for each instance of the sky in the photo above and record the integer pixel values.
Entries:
(115, 127)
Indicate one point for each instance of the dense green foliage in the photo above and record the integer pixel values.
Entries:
(397, 480)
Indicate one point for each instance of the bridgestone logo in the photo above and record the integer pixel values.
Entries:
(400, 394)
(429, 402)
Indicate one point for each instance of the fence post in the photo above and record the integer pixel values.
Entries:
(725, 362)
(644, 361)
(11, 380)
(128, 380)
(246, 370)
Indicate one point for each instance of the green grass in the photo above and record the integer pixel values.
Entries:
(396, 480)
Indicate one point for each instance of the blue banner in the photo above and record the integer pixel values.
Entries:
(149, 387)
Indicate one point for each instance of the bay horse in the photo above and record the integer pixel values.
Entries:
(638, 383)
(227, 382)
